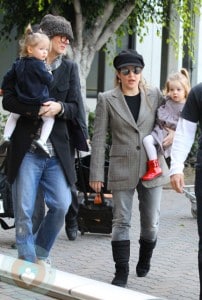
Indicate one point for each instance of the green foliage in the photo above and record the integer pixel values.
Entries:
(144, 12)
(12, 15)
(3, 119)
(191, 159)
(187, 12)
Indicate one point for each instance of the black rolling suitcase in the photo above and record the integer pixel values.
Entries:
(95, 216)
(95, 210)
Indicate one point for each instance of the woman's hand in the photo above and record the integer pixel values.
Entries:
(168, 140)
(96, 185)
(50, 109)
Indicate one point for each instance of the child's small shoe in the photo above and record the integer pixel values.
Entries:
(4, 144)
(43, 146)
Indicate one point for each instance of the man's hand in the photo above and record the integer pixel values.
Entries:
(177, 182)
(50, 109)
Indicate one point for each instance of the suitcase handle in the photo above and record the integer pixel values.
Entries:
(103, 202)
(100, 199)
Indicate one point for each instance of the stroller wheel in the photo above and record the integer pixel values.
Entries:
(194, 212)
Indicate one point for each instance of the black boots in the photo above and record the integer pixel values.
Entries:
(145, 254)
(71, 232)
(71, 225)
(121, 255)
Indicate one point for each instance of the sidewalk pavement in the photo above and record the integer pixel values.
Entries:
(173, 274)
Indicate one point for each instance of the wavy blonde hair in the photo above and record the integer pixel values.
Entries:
(31, 38)
(183, 77)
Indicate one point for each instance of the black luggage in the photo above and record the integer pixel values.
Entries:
(95, 217)
(95, 210)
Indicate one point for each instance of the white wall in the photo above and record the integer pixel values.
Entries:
(197, 67)
(150, 49)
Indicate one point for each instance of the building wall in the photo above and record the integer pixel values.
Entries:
(150, 48)
(197, 64)
(8, 52)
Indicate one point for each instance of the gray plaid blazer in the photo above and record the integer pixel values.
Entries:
(127, 163)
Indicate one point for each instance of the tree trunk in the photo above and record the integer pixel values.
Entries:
(84, 61)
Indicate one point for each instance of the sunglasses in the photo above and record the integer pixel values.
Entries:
(64, 39)
(126, 71)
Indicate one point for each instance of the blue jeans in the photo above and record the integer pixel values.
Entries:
(39, 211)
(149, 207)
(34, 170)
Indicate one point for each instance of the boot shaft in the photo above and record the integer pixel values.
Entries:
(145, 254)
(146, 248)
(121, 251)
(121, 255)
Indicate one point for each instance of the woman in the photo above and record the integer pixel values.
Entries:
(28, 167)
(128, 112)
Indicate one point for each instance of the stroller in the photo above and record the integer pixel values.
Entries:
(95, 210)
(189, 193)
(6, 204)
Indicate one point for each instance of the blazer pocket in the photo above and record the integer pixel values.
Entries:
(118, 163)
(63, 87)
(61, 92)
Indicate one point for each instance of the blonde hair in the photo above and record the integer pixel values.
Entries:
(183, 77)
(32, 39)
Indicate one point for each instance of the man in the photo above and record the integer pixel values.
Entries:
(183, 140)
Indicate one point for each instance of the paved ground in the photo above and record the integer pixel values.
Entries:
(173, 273)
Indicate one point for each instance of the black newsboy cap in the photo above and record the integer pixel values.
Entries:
(128, 57)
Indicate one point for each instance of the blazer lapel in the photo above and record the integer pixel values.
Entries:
(144, 113)
(58, 75)
(119, 104)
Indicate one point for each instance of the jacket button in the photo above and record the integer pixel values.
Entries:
(32, 136)
(138, 147)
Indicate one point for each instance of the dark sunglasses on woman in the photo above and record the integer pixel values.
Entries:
(126, 71)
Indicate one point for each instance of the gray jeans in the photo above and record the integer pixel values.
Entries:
(149, 207)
